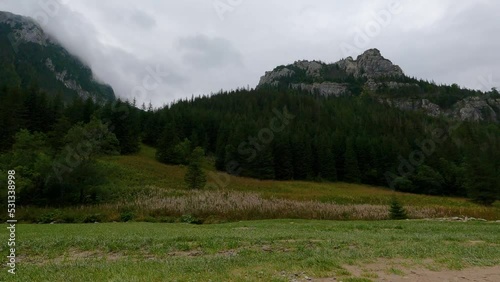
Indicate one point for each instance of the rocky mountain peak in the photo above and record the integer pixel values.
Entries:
(370, 64)
(24, 29)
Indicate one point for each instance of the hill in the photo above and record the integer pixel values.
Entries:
(372, 74)
(28, 56)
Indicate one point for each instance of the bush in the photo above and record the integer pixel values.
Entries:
(92, 218)
(187, 218)
(49, 217)
(126, 216)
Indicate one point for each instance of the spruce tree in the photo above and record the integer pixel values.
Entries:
(166, 145)
(283, 166)
(351, 167)
(327, 169)
(482, 181)
(264, 164)
(397, 211)
(195, 177)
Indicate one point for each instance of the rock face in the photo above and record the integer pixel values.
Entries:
(24, 29)
(312, 69)
(477, 109)
(26, 45)
(68, 82)
(309, 69)
(273, 77)
(424, 105)
(370, 64)
(372, 85)
(325, 88)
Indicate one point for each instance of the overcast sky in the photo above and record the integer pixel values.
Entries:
(160, 51)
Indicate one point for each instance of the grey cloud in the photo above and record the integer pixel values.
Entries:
(143, 20)
(205, 52)
(445, 40)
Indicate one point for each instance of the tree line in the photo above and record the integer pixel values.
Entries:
(350, 139)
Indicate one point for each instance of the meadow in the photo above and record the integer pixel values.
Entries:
(267, 250)
(249, 230)
(141, 189)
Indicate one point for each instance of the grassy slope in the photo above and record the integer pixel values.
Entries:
(246, 251)
(151, 191)
(143, 170)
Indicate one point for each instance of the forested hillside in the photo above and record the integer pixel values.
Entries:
(268, 133)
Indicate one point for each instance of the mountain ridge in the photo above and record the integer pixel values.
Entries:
(372, 74)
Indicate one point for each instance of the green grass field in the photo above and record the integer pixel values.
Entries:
(273, 250)
(268, 231)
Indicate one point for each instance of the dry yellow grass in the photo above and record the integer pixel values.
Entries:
(233, 205)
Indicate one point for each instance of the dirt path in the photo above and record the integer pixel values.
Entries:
(483, 274)
(389, 272)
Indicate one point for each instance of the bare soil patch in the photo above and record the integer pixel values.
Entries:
(401, 271)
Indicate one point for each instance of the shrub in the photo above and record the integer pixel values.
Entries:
(92, 218)
(127, 216)
(49, 217)
(187, 218)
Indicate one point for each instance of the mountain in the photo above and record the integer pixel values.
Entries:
(29, 56)
(372, 74)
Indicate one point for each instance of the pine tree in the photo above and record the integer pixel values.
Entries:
(302, 159)
(283, 166)
(166, 145)
(482, 180)
(195, 177)
(351, 167)
(327, 169)
(397, 211)
(264, 165)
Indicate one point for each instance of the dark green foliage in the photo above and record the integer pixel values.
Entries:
(127, 215)
(190, 219)
(302, 159)
(182, 151)
(352, 173)
(483, 181)
(404, 184)
(64, 174)
(124, 122)
(327, 169)
(397, 211)
(166, 152)
(195, 177)
(430, 181)
(263, 165)
(283, 166)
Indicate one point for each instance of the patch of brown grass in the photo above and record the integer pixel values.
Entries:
(233, 205)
